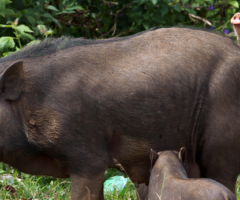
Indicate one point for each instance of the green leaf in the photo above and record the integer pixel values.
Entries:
(2, 10)
(49, 32)
(42, 29)
(6, 43)
(8, 53)
(189, 10)
(136, 1)
(52, 8)
(146, 25)
(56, 22)
(5, 26)
(164, 10)
(47, 15)
(15, 173)
(184, 1)
(146, 16)
(39, 22)
(27, 35)
(9, 12)
(34, 42)
(30, 19)
(18, 14)
(177, 8)
(154, 2)
(23, 28)
(66, 11)
(75, 8)
(3, 7)
(234, 4)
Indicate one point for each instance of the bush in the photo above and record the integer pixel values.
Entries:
(102, 18)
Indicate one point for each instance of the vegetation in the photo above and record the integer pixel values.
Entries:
(35, 187)
(38, 188)
(25, 21)
(103, 19)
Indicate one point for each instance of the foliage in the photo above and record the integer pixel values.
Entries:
(101, 18)
(20, 31)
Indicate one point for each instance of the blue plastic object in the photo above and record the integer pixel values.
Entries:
(115, 183)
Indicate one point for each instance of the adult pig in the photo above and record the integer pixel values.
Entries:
(169, 180)
(74, 107)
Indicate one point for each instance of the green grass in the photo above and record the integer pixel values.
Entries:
(40, 187)
(36, 187)
(238, 188)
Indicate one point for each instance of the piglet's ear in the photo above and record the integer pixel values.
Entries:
(153, 157)
(182, 155)
(11, 81)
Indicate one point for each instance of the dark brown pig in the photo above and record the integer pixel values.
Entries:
(169, 180)
(74, 107)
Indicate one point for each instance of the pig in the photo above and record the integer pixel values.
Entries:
(75, 107)
(235, 21)
(169, 180)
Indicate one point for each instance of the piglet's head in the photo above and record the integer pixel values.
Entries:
(235, 21)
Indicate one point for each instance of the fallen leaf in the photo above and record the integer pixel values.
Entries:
(9, 188)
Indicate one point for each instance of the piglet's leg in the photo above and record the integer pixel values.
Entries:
(142, 192)
(87, 189)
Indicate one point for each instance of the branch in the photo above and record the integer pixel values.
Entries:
(123, 33)
(110, 3)
(114, 28)
(107, 32)
(116, 16)
(199, 18)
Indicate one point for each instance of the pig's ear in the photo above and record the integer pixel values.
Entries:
(11, 81)
(153, 157)
(182, 155)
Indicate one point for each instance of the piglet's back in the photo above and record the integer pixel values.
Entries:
(191, 189)
(207, 189)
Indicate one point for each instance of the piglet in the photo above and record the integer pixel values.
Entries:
(169, 180)
(235, 21)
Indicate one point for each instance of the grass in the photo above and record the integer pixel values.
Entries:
(38, 188)
(238, 188)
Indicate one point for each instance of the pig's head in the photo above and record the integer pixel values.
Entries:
(12, 135)
(235, 21)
